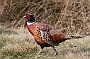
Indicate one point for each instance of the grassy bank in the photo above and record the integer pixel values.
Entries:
(19, 44)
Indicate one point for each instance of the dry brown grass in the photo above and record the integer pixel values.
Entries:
(73, 16)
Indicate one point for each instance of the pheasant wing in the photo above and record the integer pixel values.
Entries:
(46, 37)
(45, 34)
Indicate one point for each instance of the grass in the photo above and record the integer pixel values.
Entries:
(19, 44)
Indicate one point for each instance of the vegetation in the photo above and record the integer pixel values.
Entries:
(19, 44)
(69, 16)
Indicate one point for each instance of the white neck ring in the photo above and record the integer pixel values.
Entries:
(30, 23)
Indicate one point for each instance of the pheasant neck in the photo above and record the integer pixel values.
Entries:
(30, 23)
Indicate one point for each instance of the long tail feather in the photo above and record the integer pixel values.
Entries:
(74, 36)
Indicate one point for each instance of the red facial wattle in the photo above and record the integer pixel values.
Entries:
(27, 16)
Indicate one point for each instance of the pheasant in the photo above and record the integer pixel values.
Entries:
(43, 34)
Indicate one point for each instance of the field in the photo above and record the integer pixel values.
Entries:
(19, 44)
(69, 16)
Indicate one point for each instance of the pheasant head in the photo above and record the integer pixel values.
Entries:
(29, 19)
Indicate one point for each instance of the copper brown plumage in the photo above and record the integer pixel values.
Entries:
(43, 34)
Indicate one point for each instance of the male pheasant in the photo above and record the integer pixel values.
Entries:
(43, 34)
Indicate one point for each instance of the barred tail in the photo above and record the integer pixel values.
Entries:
(74, 36)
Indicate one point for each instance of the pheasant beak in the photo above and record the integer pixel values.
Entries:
(24, 16)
